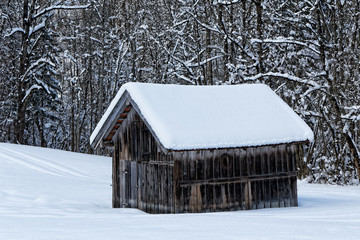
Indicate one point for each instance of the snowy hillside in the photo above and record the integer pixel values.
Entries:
(51, 194)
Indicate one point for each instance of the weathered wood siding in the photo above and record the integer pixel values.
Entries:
(145, 177)
(235, 179)
(142, 173)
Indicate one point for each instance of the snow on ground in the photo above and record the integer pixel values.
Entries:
(51, 194)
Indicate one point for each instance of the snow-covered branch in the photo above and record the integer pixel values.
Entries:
(27, 93)
(288, 41)
(123, 49)
(182, 77)
(58, 7)
(283, 75)
(189, 64)
(37, 27)
(15, 30)
(217, 30)
(226, 3)
(36, 64)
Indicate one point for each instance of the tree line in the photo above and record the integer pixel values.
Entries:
(62, 61)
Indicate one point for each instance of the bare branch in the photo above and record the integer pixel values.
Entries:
(63, 7)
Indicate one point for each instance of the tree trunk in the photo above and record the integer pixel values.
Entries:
(259, 29)
(24, 61)
(354, 152)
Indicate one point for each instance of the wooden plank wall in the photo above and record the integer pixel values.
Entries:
(145, 176)
(235, 179)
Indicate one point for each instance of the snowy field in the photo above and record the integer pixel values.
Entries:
(51, 194)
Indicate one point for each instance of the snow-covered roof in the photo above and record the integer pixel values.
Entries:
(186, 117)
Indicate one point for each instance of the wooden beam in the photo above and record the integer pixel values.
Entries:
(111, 120)
(127, 109)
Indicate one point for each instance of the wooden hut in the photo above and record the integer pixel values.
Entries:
(180, 149)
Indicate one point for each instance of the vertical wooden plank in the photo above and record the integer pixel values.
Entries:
(186, 191)
(139, 185)
(184, 175)
(162, 189)
(217, 197)
(272, 160)
(232, 164)
(185, 167)
(267, 194)
(261, 194)
(294, 191)
(215, 176)
(200, 167)
(237, 163)
(265, 160)
(146, 186)
(292, 159)
(248, 195)
(216, 160)
(273, 194)
(244, 168)
(231, 196)
(116, 177)
(244, 195)
(279, 163)
(203, 203)
(287, 183)
(200, 176)
(159, 183)
(176, 179)
(212, 164)
(282, 192)
(192, 164)
(285, 159)
(195, 200)
(153, 190)
(209, 174)
(128, 183)
(250, 161)
(129, 142)
(133, 184)
(165, 189)
(225, 197)
(138, 144)
(156, 187)
(143, 186)
(210, 197)
(254, 194)
(171, 189)
(121, 184)
(258, 161)
(237, 196)
(150, 188)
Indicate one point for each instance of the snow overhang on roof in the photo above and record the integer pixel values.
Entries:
(186, 117)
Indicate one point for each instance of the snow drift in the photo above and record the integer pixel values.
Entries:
(52, 194)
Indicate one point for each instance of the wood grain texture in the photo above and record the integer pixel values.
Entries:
(206, 180)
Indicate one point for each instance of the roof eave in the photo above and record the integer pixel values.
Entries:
(111, 120)
(124, 100)
(250, 146)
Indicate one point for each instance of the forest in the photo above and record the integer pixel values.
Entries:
(62, 62)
